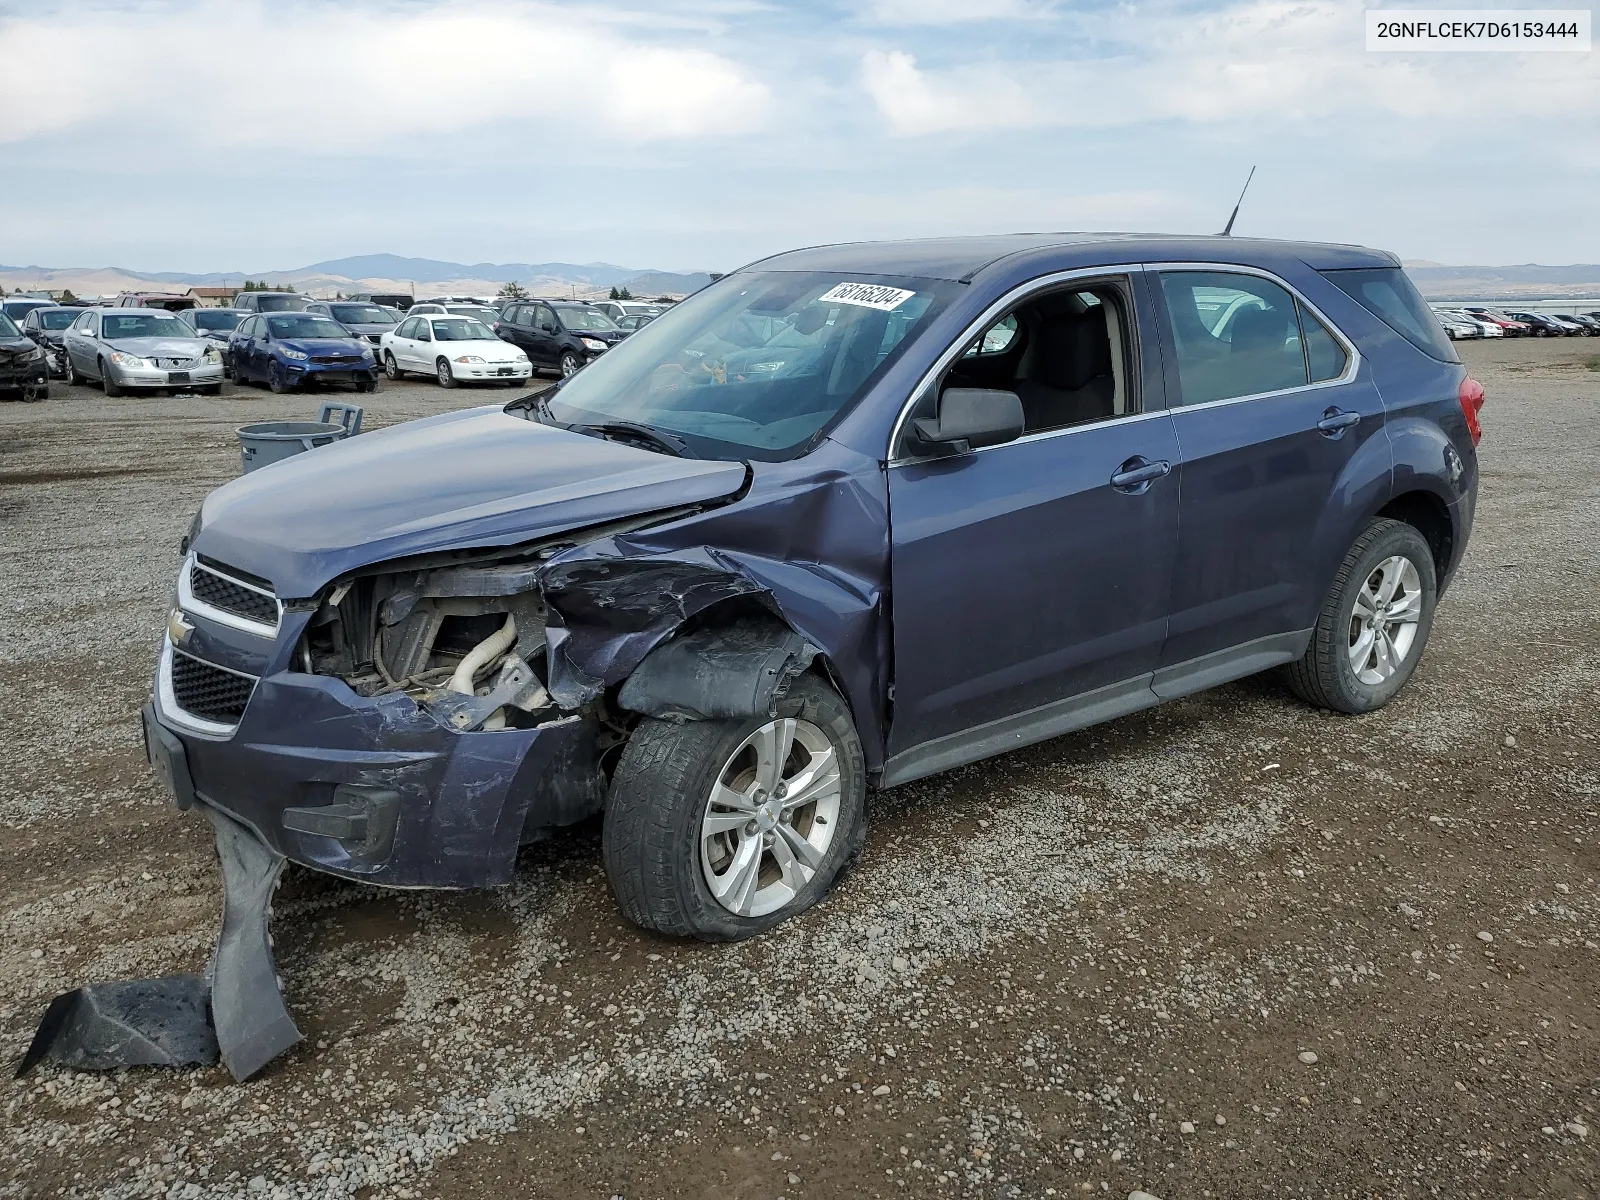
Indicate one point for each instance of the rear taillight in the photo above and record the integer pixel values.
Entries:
(1471, 404)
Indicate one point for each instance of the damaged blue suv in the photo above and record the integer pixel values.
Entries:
(848, 517)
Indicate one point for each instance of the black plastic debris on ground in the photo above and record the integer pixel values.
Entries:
(235, 1011)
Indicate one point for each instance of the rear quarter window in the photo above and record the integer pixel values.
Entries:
(1387, 294)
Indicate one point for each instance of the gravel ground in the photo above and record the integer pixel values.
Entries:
(1230, 947)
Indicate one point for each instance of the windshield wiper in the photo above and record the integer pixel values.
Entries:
(662, 440)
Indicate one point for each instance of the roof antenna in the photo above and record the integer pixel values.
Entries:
(1227, 230)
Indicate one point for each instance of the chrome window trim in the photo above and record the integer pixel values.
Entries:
(190, 603)
(982, 322)
(1352, 354)
(167, 702)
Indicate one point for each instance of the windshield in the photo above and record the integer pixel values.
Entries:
(280, 304)
(59, 319)
(574, 317)
(142, 325)
(461, 329)
(215, 319)
(307, 326)
(21, 308)
(8, 327)
(359, 314)
(757, 365)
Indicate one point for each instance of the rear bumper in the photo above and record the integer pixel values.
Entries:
(378, 789)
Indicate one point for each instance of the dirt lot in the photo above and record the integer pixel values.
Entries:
(1232, 947)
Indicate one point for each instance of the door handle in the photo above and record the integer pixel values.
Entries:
(1336, 420)
(1137, 474)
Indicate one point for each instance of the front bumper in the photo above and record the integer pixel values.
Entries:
(19, 374)
(203, 374)
(501, 370)
(356, 372)
(376, 789)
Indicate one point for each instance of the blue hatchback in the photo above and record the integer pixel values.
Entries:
(287, 350)
(847, 517)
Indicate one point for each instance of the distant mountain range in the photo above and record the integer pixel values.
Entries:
(1526, 280)
(371, 272)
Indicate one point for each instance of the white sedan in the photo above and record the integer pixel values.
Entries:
(453, 350)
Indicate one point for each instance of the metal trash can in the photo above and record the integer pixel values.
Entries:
(272, 441)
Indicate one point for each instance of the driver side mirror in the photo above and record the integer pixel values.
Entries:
(967, 419)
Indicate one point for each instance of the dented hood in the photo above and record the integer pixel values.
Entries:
(480, 477)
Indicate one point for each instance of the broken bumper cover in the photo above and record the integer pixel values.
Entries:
(385, 793)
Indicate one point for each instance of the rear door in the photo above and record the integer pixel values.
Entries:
(1271, 406)
(1031, 579)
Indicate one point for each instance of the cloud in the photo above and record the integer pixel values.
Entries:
(1257, 59)
(292, 73)
(953, 12)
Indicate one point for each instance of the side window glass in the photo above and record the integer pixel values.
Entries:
(1324, 355)
(405, 328)
(997, 338)
(424, 332)
(543, 315)
(1236, 335)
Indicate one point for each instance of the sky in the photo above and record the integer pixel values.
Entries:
(232, 135)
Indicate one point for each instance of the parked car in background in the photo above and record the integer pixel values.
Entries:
(287, 350)
(46, 328)
(633, 322)
(395, 314)
(453, 349)
(171, 301)
(561, 334)
(270, 302)
(395, 300)
(1542, 324)
(18, 307)
(1485, 327)
(24, 365)
(125, 349)
(1458, 328)
(617, 309)
(1590, 324)
(216, 325)
(365, 320)
(1570, 325)
(486, 313)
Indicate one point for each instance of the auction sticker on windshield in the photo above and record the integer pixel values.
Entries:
(867, 295)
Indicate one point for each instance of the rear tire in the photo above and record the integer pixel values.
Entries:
(108, 384)
(673, 780)
(73, 379)
(1374, 624)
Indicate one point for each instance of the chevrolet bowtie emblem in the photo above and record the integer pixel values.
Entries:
(178, 627)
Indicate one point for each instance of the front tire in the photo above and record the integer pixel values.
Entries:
(108, 384)
(276, 382)
(1374, 623)
(390, 367)
(447, 377)
(571, 364)
(721, 830)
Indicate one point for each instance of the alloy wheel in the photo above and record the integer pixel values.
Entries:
(570, 364)
(771, 817)
(1384, 620)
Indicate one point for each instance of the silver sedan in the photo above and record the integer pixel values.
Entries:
(128, 348)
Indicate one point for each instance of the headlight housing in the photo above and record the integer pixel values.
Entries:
(297, 355)
(212, 354)
(366, 352)
(123, 359)
(469, 358)
(520, 356)
(592, 343)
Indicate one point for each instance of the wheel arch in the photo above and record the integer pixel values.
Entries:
(1429, 515)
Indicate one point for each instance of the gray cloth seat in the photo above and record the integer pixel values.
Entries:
(1070, 380)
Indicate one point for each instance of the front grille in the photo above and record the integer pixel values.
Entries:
(174, 364)
(327, 359)
(209, 692)
(231, 596)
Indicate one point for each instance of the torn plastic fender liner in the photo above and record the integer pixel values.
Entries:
(739, 670)
(236, 1010)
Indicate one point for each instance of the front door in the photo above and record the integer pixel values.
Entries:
(1031, 579)
(1270, 409)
